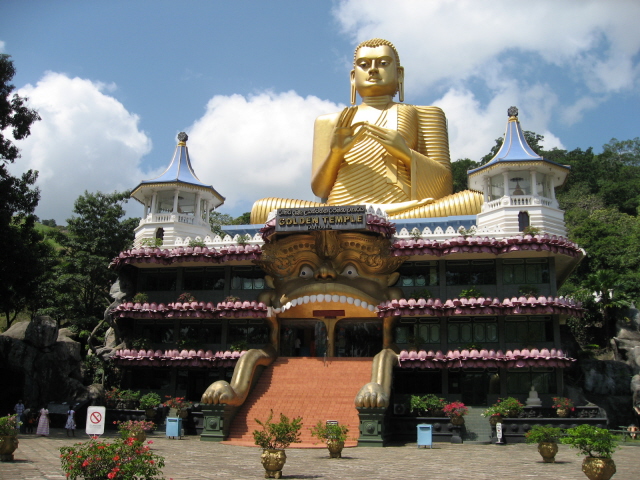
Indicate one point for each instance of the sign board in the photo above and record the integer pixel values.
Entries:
(499, 430)
(95, 420)
(331, 422)
(337, 217)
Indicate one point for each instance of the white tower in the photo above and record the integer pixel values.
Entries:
(519, 187)
(176, 204)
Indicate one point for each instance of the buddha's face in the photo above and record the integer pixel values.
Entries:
(376, 71)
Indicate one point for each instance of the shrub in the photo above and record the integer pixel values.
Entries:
(9, 426)
(150, 400)
(543, 434)
(131, 428)
(563, 403)
(121, 459)
(472, 292)
(140, 298)
(505, 407)
(179, 403)
(277, 435)
(590, 440)
(429, 404)
(330, 432)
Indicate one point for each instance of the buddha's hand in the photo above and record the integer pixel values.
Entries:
(372, 395)
(219, 392)
(345, 135)
(391, 140)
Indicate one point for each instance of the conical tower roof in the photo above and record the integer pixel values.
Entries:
(515, 148)
(179, 172)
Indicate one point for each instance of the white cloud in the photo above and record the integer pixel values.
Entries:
(2, 45)
(256, 146)
(86, 140)
(493, 54)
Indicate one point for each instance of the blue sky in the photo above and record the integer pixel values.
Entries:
(116, 81)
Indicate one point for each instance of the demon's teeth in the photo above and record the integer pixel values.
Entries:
(313, 298)
(350, 300)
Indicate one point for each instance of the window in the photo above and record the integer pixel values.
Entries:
(249, 332)
(416, 332)
(203, 278)
(523, 221)
(418, 274)
(519, 380)
(247, 278)
(197, 334)
(528, 330)
(525, 271)
(466, 330)
(158, 279)
(159, 333)
(471, 272)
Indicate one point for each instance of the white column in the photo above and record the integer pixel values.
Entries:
(154, 201)
(197, 212)
(505, 176)
(534, 184)
(487, 188)
(175, 202)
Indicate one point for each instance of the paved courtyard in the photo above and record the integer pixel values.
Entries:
(37, 458)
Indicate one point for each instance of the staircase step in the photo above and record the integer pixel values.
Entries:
(315, 389)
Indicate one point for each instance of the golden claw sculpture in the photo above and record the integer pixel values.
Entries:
(235, 393)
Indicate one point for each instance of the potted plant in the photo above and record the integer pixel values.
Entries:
(512, 407)
(114, 458)
(546, 437)
(598, 444)
(136, 429)
(129, 399)
(8, 437)
(177, 406)
(456, 412)
(149, 402)
(427, 405)
(563, 406)
(273, 439)
(112, 397)
(333, 434)
(494, 413)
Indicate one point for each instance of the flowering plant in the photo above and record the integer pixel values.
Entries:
(563, 403)
(186, 297)
(505, 407)
(121, 459)
(131, 428)
(112, 395)
(179, 403)
(455, 409)
(9, 426)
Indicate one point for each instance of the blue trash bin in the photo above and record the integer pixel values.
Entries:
(174, 427)
(425, 435)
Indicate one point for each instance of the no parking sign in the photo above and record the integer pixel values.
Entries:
(95, 420)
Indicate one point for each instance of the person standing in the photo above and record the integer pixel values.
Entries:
(71, 422)
(43, 422)
(19, 409)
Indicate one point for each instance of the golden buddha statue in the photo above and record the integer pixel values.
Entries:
(382, 153)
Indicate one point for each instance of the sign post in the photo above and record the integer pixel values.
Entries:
(499, 434)
(95, 421)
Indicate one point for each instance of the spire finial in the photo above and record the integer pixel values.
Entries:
(512, 112)
(182, 139)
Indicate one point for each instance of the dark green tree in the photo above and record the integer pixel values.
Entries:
(22, 248)
(459, 170)
(96, 233)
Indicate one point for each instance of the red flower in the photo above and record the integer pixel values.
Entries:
(116, 458)
(111, 475)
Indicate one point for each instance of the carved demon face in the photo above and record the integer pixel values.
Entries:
(328, 270)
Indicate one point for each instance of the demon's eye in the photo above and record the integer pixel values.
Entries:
(350, 271)
(306, 272)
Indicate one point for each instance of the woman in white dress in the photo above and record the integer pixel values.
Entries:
(43, 422)
(71, 422)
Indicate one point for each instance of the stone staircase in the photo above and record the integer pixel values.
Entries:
(477, 428)
(308, 387)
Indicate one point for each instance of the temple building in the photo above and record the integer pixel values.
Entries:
(462, 306)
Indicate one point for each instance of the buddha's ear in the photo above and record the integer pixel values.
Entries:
(353, 87)
(401, 84)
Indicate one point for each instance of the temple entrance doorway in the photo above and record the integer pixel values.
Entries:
(358, 337)
(303, 338)
(471, 384)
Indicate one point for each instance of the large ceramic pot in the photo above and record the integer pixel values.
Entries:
(138, 437)
(562, 412)
(8, 445)
(457, 420)
(596, 468)
(495, 419)
(150, 413)
(273, 461)
(548, 451)
(183, 413)
(335, 448)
